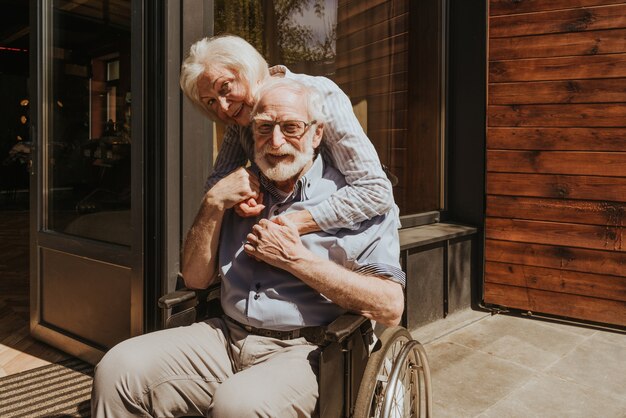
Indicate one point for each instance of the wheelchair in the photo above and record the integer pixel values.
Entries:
(359, 376)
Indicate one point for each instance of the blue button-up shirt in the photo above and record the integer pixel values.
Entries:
(258, 294)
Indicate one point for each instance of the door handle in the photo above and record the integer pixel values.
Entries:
(33, 149)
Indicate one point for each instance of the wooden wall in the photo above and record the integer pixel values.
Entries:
(389, 63)
(371, 67)
(556, 158)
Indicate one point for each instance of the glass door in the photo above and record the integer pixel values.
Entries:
(86, 251)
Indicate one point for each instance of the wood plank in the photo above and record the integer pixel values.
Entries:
(572, 20)
(558, 210)
(389, 83)
(375, 68)
(378, 49)
(396, 138)
(557, 139)
(557, 280)
(609, 90)
(386, 28)
(557, 162)
(557, 257)
(507, 7)
(610, 41)
(558, 115)
(383, 118)
(558, 186)
(564, 68)
(359, 13)
(571, 306)
(387, 112)
(556, 233)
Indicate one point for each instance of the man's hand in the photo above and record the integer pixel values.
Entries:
(275, 242)
(239, 186)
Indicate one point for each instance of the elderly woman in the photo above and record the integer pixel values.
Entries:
(222, 74)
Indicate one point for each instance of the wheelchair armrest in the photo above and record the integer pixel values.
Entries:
(189, 306)
(176, 298)
(343, 327)
(180, 296)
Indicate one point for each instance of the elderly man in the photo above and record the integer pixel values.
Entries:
(278, 288)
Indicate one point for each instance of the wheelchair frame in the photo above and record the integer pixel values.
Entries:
(353, 382)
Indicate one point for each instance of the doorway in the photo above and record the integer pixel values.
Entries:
(19, 350)
(86, 263)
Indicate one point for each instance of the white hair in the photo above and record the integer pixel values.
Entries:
(314, 102)
(224, 51)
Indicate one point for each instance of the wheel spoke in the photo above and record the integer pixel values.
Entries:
(405, 378)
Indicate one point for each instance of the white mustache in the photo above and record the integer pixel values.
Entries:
(285, 149)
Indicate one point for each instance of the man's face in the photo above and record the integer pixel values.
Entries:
(226, 95)
(281, 156)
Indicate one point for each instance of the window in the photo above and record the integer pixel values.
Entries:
(388, 56)
(89, 133)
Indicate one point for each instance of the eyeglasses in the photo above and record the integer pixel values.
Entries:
(289, 128)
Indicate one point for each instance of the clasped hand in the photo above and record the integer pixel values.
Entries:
(276, 242)
(240, 189)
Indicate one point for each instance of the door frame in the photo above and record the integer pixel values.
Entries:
(40, 238)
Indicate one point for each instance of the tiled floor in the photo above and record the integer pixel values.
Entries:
(505, 366)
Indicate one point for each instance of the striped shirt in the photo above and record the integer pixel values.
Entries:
(263, 296)
(346, 146)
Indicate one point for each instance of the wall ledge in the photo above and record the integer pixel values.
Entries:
(423, 235)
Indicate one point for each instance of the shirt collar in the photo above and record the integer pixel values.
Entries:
(304, 186)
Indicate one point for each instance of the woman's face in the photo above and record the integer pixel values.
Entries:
(226, 95)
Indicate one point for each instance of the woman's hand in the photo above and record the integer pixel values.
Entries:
(302, 220)
(250, 208)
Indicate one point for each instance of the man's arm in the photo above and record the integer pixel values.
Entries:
(374, 297)
(199, 259)
(278, 243)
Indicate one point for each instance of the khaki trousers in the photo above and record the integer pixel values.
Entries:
(213, 369)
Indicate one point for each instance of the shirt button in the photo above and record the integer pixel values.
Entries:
(256, 297)
(276, 212)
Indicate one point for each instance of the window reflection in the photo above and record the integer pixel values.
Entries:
(300, 34)
(90, 133)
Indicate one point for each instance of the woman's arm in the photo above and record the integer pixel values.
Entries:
(230, 157)
(369, 192)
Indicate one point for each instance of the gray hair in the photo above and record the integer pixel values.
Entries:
(314, 102)
(225, 51)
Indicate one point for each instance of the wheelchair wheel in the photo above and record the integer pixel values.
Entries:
(393, 378)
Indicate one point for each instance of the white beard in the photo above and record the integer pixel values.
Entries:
(285, 170)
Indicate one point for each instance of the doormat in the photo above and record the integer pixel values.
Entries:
(56, 390)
